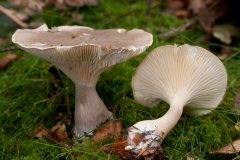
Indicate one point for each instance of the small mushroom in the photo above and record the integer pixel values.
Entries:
(189, 78)
(83, 54)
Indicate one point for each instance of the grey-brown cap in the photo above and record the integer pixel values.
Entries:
(79, 51)
(192, 74)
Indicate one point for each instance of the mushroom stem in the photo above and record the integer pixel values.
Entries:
(148, 134)
(90, 111)
(166, 123)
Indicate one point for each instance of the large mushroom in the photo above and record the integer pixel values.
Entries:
(189, 78)
(83, 54)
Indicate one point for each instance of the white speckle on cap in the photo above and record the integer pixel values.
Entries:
(85, 34)
(38, 44)
(121, 30)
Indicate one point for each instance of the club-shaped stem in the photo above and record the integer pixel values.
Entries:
(149, 134)
(90, 111)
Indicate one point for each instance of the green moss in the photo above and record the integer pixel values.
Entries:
(33, 92)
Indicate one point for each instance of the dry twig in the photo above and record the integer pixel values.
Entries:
(13, 17)
(181, 28)
(9, 49)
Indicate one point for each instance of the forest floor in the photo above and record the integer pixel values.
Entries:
(35, 93)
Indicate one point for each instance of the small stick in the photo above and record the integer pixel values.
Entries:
(9, 49)
(13, 17)
(181, 28)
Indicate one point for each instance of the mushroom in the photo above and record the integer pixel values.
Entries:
(83, 54)
(189, 78)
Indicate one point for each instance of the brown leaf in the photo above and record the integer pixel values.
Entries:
(197, 6)
(56, 127)
(177, 7)
(210, 11)
(148, 154)
(225, 33)
(40, 132)
(119, 148)
(58, 132)
(228, 149)
(181, 13)
(111, 129)
(24, 9)
(8, 58)
(177, 4)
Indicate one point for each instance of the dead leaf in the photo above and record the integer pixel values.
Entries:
(119, 148)
(210, 11)
(35, 5)
(24, 9)
(40, 132)
(177, 4)
(111, 129)
(225, 33)
(148, 154)
(8, 58)
(177, 7)
(181, 13)
(230, 148)
(197, 6)
(57, 134)
(151, 152)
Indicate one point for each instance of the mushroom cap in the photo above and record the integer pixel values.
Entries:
(193, 75)
(81, 49)
(75, 36)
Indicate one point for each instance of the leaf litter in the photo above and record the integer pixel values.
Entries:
(111, 129)
(119, 148)
(56, 134)
(230, 148)
(7, 59)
